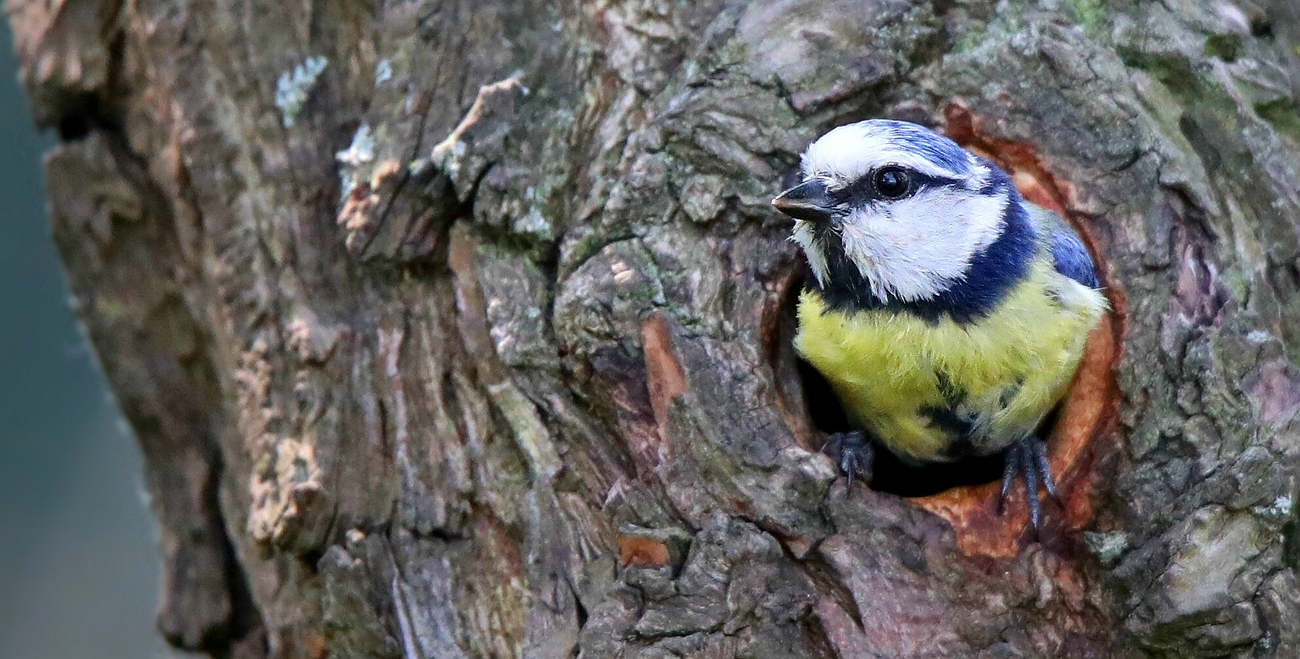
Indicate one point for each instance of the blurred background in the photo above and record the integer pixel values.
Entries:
(78, 555)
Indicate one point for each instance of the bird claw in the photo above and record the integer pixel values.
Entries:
(852, 453)
(1027, 459)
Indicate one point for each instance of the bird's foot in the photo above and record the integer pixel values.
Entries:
(852, 453)
(1027, 459)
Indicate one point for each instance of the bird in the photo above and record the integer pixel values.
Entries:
(948, 313)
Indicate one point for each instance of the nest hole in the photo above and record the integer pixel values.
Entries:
(964, 492)
(1080, 433)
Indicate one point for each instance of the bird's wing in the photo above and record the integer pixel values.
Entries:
(1069, 255)
(1072, 259)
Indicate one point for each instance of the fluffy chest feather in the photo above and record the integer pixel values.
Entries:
(938, 390)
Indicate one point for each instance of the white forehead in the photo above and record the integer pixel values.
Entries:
(848, 152)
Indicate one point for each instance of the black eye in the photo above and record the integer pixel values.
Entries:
(893, 182)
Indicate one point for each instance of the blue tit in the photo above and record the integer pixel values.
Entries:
(947, 313)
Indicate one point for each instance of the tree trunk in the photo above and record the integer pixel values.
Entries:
(462, 329)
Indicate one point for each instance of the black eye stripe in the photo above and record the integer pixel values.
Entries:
(863, 189)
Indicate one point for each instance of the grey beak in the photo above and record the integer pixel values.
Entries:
(809, 201)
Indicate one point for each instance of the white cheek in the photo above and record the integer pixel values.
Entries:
(916, 248)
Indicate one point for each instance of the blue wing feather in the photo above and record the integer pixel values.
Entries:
(1072, 259)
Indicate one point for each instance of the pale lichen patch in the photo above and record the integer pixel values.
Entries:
(293, 88)
(383, 72)
(1280, 508)
(351, 160)
(1108, 547)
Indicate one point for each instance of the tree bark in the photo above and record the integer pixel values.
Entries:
(462, 329)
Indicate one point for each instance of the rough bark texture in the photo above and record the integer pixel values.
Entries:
(461, 329)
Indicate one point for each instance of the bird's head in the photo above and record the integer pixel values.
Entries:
(896, 207)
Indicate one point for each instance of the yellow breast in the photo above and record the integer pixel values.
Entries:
(933, 391)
